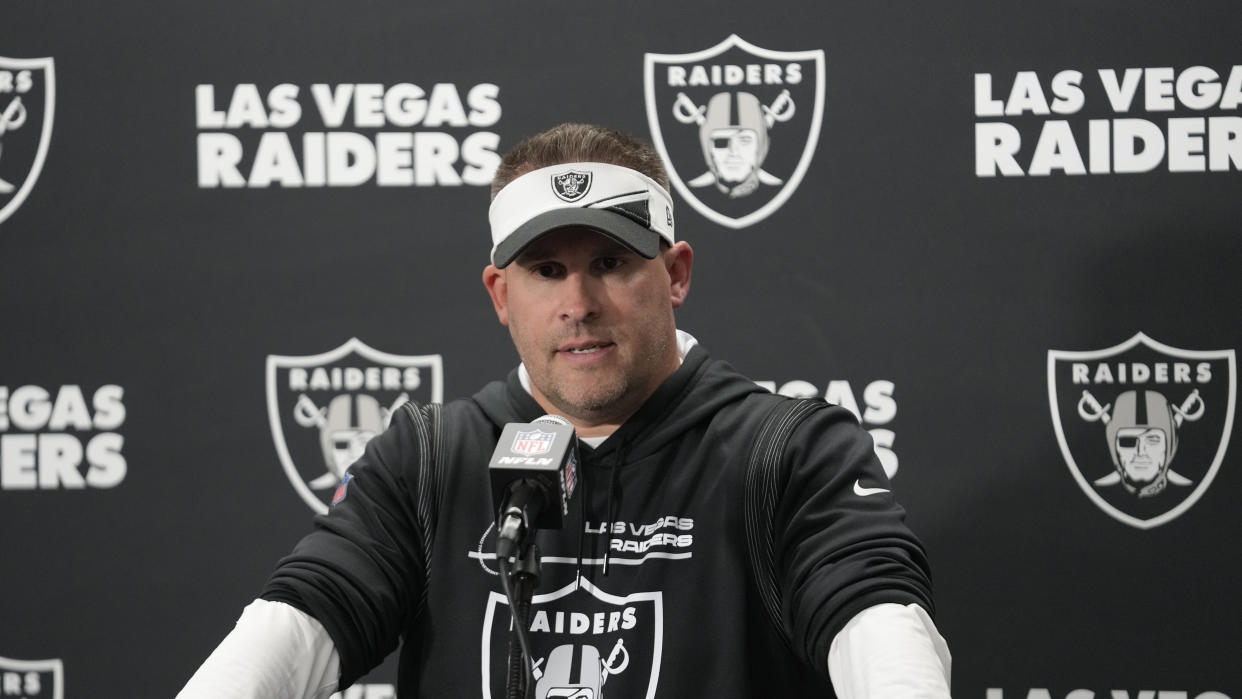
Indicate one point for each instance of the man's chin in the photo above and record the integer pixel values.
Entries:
(590, 400)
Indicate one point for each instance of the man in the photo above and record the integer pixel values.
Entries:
(676, 578)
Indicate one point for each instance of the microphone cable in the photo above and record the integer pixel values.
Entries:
(519, 610)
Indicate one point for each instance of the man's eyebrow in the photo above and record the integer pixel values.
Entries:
(536, 251)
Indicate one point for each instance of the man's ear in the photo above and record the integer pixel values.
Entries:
(498, 289)
(679, 259)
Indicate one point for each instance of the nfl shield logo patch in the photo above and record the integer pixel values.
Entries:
(1143, 426)
(533, 443)
(737, 125)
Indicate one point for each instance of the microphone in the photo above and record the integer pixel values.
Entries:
(534, 473)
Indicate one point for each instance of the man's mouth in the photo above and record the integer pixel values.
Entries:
(585, 348)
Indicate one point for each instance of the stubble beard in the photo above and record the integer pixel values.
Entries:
(611, 394)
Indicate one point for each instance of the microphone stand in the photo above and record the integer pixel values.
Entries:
(524, 578)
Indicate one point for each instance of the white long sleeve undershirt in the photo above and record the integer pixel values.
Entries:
(890, 651)
(276, 651)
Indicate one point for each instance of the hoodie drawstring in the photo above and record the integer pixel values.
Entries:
(613, 497)
(584, 483)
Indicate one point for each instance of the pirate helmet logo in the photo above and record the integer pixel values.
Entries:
(573, 671)
(1141, 433)
(746, 118)
(345, 426)
(324, 408)
(1157, 466)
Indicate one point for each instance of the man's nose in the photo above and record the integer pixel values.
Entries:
(578, 298)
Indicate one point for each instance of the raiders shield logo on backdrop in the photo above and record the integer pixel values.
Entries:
(324, 408)
(23, 679)
(584, 640)
(736, 124)
(27, 104)
(1143, 426)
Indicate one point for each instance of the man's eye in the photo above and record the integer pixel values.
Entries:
(609, 262)
(548, 270)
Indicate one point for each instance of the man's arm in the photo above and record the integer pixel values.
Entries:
(855, 583)
(335, 607)
(890, 651)
(274, 652)
(360, 572)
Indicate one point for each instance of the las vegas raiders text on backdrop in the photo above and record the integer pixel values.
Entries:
(1042, 693)
(399, 135)
(62, 437)
(1145, 119)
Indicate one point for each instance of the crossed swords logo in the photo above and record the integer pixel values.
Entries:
(1191, 409)
(12, 119)
(687, 112)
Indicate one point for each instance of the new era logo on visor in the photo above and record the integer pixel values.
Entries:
(571, 186)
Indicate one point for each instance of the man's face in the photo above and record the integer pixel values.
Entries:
(734, 153)
(1142, 453)
(592, 321)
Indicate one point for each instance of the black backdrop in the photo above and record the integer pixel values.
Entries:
(145, 307)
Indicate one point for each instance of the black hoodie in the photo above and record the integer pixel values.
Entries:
(670, 601)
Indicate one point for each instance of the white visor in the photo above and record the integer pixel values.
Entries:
(616, 201)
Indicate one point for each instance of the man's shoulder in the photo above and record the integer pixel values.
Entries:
(752, 406)
(455, 413)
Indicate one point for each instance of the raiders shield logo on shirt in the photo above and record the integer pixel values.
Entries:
(586, 642)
